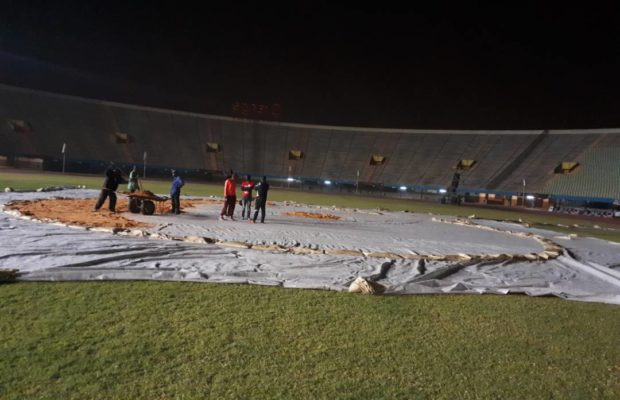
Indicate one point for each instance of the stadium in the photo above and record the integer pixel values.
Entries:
(438, 191)
(350, 212)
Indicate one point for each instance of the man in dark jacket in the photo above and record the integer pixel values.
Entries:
(112, 180)
(261, 199)
(175, 192)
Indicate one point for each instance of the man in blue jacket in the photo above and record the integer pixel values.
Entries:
(175, 192)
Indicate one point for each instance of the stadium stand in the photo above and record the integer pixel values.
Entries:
(36, 124)
(598, 173)
(538, 167)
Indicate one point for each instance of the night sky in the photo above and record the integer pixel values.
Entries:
(465, 67)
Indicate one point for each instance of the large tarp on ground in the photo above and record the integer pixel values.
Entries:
(407, 253)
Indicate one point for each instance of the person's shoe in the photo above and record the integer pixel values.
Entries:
(232, 218)
(251, 221)
(222, 218)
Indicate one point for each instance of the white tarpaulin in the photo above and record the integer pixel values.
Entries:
(407, 253)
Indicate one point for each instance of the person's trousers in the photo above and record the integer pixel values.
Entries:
(105, 193)
(246, 202)
(260, 205)
(229, 206)
(175, 198)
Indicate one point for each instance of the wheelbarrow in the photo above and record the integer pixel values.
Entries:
(145, 202)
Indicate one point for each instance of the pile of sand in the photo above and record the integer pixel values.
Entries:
(77, 212)
(81, 211)
(142, 193)
(303, 214)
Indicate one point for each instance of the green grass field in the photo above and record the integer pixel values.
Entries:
(165, 340)
(152, 340)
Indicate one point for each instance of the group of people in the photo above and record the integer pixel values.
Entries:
(247, 188)
(114, 178)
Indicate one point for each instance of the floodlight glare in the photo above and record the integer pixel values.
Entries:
(443, 191)
(328, 182)
(403, 188)
(530, 197)
(290, 179)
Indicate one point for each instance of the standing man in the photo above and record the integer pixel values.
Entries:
(175, 192)
(133, 180)
(112, 180)
(246, 197)
(230, 194)
(261, 199)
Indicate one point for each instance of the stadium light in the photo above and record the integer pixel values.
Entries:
(530, 197)
(443, 191)
(403, 188)
(328, 183)
(290, 179)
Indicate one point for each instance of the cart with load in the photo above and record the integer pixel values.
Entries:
(146, 202)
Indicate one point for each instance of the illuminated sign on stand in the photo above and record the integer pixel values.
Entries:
(257, 111)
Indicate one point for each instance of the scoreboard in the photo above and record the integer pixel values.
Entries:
(257, 111)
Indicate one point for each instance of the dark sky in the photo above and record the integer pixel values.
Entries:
(469, 67)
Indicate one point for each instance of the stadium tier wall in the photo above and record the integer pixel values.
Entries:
(36, 124)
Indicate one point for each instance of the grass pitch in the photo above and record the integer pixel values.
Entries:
(151, 340)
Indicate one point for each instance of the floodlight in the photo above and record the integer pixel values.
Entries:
(328, 183)
(443, 191)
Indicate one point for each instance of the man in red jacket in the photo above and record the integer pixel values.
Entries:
(246, 197)
(230, 194)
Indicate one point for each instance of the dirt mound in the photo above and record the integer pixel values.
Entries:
(77, 212)
(81, 211)
(304, 214)
(145, 193)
